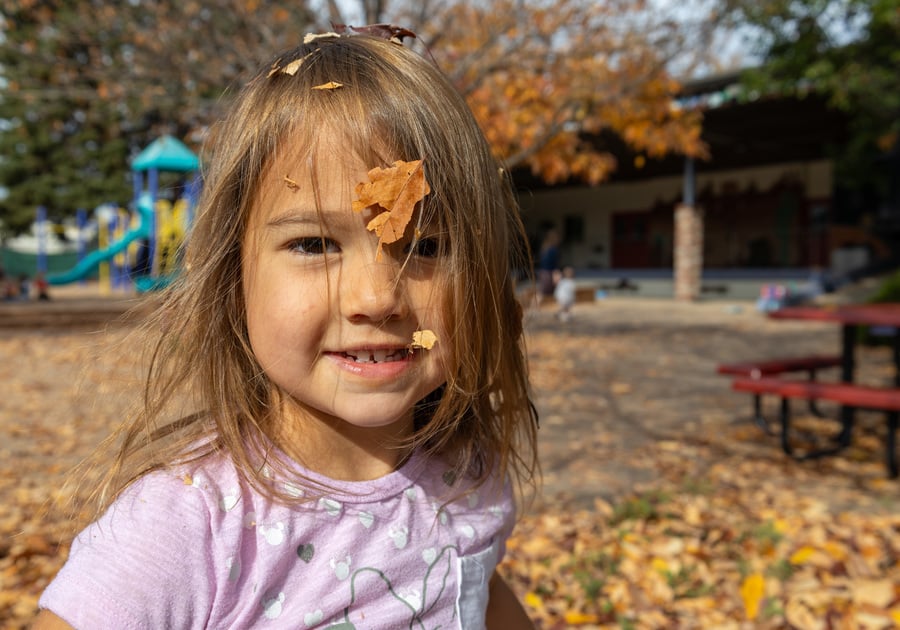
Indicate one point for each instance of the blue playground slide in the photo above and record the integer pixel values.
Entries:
(87, 264)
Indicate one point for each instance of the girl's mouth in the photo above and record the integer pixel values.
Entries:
(377, 356)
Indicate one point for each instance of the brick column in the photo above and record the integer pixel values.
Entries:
(688, 255)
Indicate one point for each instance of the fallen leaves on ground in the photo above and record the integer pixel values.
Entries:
(736, 549)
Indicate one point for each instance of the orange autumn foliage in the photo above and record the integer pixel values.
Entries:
(544, 79)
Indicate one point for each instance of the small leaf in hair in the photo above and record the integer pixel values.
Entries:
(331, 85)
(291, 183)
(292, 67)
(311, 37)
(389, 32)
(424, 339)
(393, 192)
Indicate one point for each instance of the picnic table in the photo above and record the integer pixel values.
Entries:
(851, 317)
(766, 379)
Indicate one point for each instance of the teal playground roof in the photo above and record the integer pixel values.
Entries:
(166, 154)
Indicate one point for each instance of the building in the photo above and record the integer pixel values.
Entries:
(768, 196)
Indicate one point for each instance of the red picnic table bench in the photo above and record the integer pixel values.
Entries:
(764, 377)
(775, 367)
(847, 394)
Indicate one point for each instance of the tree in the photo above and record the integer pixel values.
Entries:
(89, 84)
(544, 77)
(846, 50)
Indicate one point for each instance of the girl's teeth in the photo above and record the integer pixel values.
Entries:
(375, 356)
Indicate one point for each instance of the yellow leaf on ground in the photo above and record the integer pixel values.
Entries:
(752, 591)
(533, 600)
(802, 555)
(660, 565)
(574, 618)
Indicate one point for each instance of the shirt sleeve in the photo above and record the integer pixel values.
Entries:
(143, 564)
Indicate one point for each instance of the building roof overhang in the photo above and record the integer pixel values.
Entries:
(740, 132)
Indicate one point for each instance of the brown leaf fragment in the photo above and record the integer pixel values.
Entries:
(311, 37)
(394, 34)
(291, 183)
(331, 85)
(394, 193)
(424, 339)
(292, 67)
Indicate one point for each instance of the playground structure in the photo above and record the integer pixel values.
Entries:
(140, 247)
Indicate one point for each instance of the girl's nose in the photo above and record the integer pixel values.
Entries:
(374, 292)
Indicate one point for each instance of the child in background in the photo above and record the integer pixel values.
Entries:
(347, 332)
(41, 287)
(564, 293)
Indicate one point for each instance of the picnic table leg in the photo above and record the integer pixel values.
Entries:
(891, 460)
(848, 344)
(813, 407)
(785, 426)
(758, 416)
(813, 454)
(897, 357)
(892, 416)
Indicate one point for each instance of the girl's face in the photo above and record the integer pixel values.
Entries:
(330, 325)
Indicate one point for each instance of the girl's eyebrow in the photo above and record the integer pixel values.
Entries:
(304, 217)
(293, 218)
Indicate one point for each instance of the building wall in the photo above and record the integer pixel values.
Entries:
(737, 214)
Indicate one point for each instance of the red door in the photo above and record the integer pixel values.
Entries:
(631, 240)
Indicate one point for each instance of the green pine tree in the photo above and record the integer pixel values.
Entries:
(87, 85)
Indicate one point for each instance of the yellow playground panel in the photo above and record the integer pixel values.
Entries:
(171, 228)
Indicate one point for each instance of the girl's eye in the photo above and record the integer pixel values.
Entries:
(313, 245)
(424, 248)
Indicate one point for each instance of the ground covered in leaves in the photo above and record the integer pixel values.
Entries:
(663, 506)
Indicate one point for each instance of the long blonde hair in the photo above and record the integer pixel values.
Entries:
(394, 104)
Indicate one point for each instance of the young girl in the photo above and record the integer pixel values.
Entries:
(337, 410)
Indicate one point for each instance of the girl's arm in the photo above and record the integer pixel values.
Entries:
(46, 620)
(504, 610)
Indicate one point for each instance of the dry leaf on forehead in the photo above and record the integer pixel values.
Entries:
(331, 85)
(291, 183)
(423, 339)
(394, 192)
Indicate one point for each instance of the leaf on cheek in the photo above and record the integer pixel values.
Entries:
(423, 339)
(393, 193)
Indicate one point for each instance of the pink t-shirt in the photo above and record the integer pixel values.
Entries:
(196, 547)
